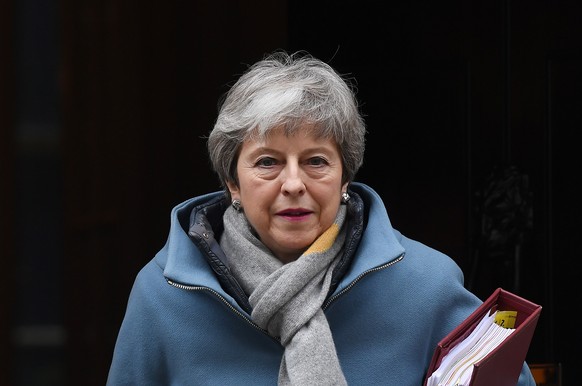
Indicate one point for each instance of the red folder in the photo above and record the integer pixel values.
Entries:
(501, 367)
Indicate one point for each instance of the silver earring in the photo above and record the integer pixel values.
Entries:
(236, 205)
(345, 197)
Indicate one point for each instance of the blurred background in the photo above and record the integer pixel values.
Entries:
(473, 108)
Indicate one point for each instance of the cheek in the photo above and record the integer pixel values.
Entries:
(257, 201)
(331, 210)
(329, 204)
(255, 194)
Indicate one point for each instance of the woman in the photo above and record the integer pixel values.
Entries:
(293, 275)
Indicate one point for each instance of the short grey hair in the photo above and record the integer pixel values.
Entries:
(287, 90)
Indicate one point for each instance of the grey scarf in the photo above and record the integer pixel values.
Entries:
(287, 298)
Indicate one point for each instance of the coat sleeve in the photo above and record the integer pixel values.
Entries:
(136, 356)
(443, 280)
(526, 377)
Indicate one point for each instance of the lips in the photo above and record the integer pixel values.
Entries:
(294, 212)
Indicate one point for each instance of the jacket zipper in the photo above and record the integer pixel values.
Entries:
(224, 301)
(357, 279)
(256, 326)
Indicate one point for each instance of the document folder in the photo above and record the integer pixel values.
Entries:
(501, 366)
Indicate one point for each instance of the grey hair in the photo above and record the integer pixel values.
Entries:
(289, 91)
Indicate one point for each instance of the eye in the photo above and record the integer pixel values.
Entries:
(266, 162)
(317, 161)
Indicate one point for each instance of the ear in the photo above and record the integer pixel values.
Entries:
(345, 187)
(234, 190)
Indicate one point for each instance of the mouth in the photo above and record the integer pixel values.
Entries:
(294, 213)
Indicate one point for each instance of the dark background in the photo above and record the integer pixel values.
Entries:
(104, 103)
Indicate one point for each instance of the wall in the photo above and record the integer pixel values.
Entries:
(451, 91)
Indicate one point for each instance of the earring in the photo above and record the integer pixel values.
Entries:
(345, 197)
(236, 205)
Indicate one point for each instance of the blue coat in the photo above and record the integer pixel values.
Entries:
(390, 308)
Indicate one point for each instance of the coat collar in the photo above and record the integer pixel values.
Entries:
(196, 224)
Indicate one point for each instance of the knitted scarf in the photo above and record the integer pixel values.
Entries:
(287, 298)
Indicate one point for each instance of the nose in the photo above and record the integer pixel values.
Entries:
(292, 180)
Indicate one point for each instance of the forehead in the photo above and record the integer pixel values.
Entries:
(281, 137)
(290, 128)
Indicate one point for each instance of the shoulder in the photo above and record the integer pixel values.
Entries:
(427, 272)
(382, 243)
(419, 254)
(149, 280)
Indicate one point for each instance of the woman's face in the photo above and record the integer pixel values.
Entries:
(290, 189)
